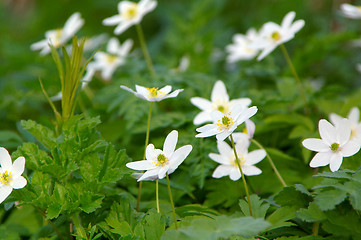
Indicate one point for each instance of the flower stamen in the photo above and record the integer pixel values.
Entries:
(276, 36)
(5, 178)
(131, 11)
(225, 123)
(154, 92)
(162, 160)
(334, 147)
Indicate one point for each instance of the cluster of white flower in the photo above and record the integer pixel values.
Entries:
(271, 35)
(342, 139)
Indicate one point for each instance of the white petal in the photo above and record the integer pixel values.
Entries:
(246, 114)
(245, 102)
(218, 158)
(18, 167)
(266, 51)
(202, 117)
(162, 171)
(255, 156)
(354, 115)
(224, 149)
(216, 115)
(239, 136)
(173, 94)
(150, 152)
(150, 174)
(207, 133)
(327, 131)
(350, 148)
(321, 159)
(202, 103)
(165, 90)
(125, 48)
(251, 170)
(127, 89)
(335, 119)
(297, 26)
(140, 165)
(5, 160)
(221, 171)
(170, 143)
(5, 192)
(114, 20)
(178, 157)
(343, 131)
(288, 19)
(251, 128)
(335, 162)
(39, 45)
(122, 27)
(219, 92)
(235, 174)
(223, 135)
(142, 90)
(18, 182)
(206, 128)
(315, 144)
(242, 145)
(113, 45)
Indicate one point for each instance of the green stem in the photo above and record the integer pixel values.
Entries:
(243, 178)
(271, 162)
(171, 202)
(145, 50)
(315, 228)
(157, 193)
(77, 224)
(145, 149)
(51, 223)
(299, 83)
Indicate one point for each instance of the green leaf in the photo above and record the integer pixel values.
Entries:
(328, 199)
(259, 207)
(280, 217)
(289, 196)
(154, 225)
(311, 214)
(53, 210)
(43, 134)
(195, 209)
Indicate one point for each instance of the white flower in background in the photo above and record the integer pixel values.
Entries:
(228, 163)
(351, 11)
(95, 42)
(248, 131)
(108, 62)
(219, 101)
(333, 146)
(159, 162)
(10, 174)
(225, 123)
(153, 94)
(130, 13)
(59, 37)
(241, 48)
(273, 35)
(355, 124)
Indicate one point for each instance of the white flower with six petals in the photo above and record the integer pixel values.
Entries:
(130, 13)
(228, 163)
(10, 174)
(159, 162)
(219, 101)
(59, 37)
(333, 146)
(153, 94)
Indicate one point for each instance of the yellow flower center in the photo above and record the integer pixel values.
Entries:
(245, 130)
(154, 92)
(5, 178)
(353, 132)
(359, 8)
(225, 123)
(334, 147)
(221, 105)
(57, 36)
(161, 160)
(111, 58)
(131, 11)
(276, 36)
(242, 160)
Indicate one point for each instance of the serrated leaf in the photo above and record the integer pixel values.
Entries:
(154, 225)
(311, 214)
(53, 210)
(259, 207)
(289, 196)
(280, 217)
(42, 133)
(328, 199)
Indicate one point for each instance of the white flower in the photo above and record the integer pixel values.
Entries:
(10, 174)
(153, 94)
(130, 13)
(224, 124)
(241, 48)
(248, 131)
(219, 101)
(273, 35)
(355, 124)
(228, 163)
(159, 162)
(108, 62)
(59, 37)
(351, 11)
(333, 145)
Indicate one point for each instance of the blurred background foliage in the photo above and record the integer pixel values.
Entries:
(323, 53)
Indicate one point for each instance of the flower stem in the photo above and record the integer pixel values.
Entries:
(271, 162)
(145, 50)
(243, 178)
(157, 193)
(145, 148)
(77, 224)
(293, 70)
(171, 202)
(315, 228)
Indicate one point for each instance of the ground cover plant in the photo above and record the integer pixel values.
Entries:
(180, 120)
